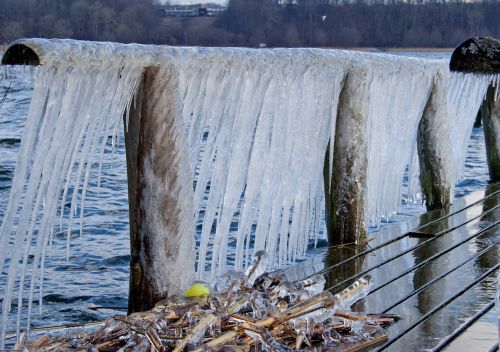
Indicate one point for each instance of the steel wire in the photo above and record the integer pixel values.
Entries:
(438, 307)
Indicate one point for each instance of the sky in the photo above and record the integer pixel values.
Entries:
(190, 2)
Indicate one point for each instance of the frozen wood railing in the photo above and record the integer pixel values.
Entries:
(253, 126)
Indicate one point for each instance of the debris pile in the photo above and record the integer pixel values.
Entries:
(246, 312)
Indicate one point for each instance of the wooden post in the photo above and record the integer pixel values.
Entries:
(435, 180)
(327, 186)
(491, 125)
(160, 193)
(345, 201)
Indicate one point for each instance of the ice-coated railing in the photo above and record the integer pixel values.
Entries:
(217, 136)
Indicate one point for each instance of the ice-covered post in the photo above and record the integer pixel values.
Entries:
(159, 181)
(436, 178)
(482, 56)
(491, 126)
(345, 202)
(435, 144)
(160, 193)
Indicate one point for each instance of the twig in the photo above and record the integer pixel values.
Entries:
(198, 330)
(5, 94)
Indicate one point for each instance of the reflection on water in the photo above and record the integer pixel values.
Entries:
(350, 268)
(478, 337)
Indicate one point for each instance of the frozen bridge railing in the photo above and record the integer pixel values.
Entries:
(216, 136)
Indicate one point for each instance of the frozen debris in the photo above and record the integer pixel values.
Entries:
(258, 267)
(272, 315)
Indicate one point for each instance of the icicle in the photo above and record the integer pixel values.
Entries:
(466, 92)
(260, 116)
(63, 106)
(397, 99)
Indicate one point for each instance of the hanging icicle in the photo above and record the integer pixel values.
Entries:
(71, 114)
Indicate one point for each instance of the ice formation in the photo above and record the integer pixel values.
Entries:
(466, 92)
(250, 123)
(459, 96)
(395, 101)
(72, 113)
(257, 124)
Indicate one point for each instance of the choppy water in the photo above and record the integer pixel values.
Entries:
(98, 269)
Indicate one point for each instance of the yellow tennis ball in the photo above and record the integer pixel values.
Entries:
(199, 289)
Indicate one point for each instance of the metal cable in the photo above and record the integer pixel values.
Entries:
(463, 327)
(458, 211)
(403, 253)
(433, 281)
(322, 271)
(439, 307)
(428, 260)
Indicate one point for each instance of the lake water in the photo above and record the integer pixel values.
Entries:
(98, 269)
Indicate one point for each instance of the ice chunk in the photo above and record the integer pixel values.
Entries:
(354, 292)
(230, 281)
(314, 285)
(257, 268)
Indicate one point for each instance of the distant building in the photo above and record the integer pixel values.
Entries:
(216, 11)
(193, 10)
(180, 12)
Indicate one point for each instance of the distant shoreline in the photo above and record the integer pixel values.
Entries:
(419, 49)
(371, 49)
(392, 50)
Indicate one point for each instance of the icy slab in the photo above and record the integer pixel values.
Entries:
(395, 102)
(465, 94)
(249, 123)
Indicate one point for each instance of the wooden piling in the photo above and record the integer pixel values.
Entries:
(491, 125)
(435, 178)
(345, 200)
(160, 192)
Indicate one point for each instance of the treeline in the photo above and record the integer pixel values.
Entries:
(318, 23)
(110, 20)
